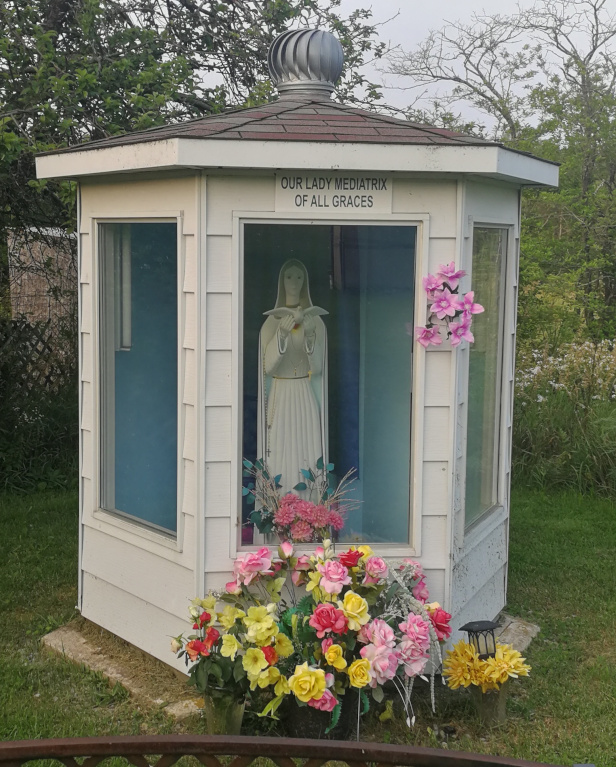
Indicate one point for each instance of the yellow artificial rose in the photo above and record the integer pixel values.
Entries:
(359, 672)
(307, 683)
(283, 646)
(229, 646)
(355, 609)
(254, 661)
(432, 607)
(334, 657)
(229, 615)
(366, 552)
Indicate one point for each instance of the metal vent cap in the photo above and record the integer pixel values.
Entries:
(305, 62)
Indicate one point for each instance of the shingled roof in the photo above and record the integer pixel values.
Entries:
(296, 119)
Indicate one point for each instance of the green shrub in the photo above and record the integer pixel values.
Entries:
(564, 431)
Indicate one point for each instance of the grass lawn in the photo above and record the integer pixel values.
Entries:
(562, 576)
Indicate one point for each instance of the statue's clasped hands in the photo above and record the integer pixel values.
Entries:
(289, 322)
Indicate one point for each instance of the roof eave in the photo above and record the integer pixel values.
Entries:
(180, 153)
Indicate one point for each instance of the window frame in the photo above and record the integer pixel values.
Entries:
(500, 387)
(411, 547)
(102, 327)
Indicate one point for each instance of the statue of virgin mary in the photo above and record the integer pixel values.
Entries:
(292, 416)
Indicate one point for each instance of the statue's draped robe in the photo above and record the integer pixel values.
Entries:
(292, 424)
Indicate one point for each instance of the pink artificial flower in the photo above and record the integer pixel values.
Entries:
(461, 330)
(320, 516)
(305, 511)
(299, 578)
(417, 630)
(445, 304)
(467, 306)
(330, 679)
(319, 552)
(303, 562)
(326, 644)
(233, 587)
(301, 530)
(383, 663)
(285, 514)
(327, 618)
(450, 275)
(440, 620)
(248, 566)
(420, 591)
(431, 283)
(382, 634)
(364, 634)
(285, 550)
(327, 702)
(413, 566)
(412, 656)
(376, 570)
(335, 576)
(335, 520)
(427, 336)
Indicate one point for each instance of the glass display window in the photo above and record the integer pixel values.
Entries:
(327, 364)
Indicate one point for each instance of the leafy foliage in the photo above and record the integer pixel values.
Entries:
(545, 81)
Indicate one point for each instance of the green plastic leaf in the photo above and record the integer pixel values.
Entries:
(255, 517)
(245, 491)
(238, 671)
(320, 463)
(365, 702)
(307, 473)
(378, 694)
(335, 717)
(250, 499)
(301, 486)
(272, 707)
(277, 478)
(330, 467)
(247, 463)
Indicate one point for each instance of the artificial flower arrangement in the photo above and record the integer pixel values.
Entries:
(463, 667)
(448, 309)
(361, 624)
(292, 517)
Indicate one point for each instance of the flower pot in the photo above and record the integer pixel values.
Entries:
(491, 706)
(224, 712)
(308, 722)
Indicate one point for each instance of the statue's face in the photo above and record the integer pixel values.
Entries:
(293, 283)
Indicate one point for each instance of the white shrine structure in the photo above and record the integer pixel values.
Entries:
(183, 234)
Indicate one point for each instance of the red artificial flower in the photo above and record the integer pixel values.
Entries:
(195, 648)
(350, 558)
(211, 637)
(203, 619)
(440, 620)
(271, 656)
(328, 618)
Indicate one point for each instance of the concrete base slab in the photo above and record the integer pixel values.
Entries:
(69, 642)
(516, 632)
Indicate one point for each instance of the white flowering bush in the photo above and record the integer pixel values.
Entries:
(565, 417)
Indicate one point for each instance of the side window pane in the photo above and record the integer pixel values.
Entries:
(139, 371)
(342, 388)
(489, 252)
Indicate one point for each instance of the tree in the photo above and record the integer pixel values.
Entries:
(546, 78)
(75, 70)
